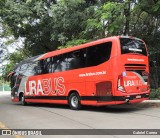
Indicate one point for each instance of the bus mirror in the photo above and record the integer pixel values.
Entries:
(9, 76)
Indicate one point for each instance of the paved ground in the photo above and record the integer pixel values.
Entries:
(47, 116)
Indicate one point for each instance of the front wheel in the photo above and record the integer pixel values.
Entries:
(74, 101)
(23, 102)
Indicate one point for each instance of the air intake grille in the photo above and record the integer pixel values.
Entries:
(135, 66)
(104, 88)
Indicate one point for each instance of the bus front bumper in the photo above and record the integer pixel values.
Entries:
(15, 99)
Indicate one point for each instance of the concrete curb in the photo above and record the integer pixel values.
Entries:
(151, 101)
(5, 93)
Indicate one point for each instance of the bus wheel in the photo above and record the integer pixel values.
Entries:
(23, 100)
(74, 101)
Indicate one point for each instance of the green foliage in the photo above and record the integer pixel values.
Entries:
(158, 93)
(155, 94)
(151, 7)
(45, 25)
(74, 42)
(107, 20)
(14, 58)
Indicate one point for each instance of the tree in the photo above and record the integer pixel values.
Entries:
(147, 27)
(45, 25)
(14, 59)
(109, 19)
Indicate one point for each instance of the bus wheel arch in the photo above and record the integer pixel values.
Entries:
(74, 100)
(22, 98)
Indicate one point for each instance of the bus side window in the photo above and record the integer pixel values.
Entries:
(43, 66)
(23, 68)
(38, 69)
(98, 54)
(76, 59)
(60, 63)
(53, 64)
(31, 69)
(57, 64)
(49, 64)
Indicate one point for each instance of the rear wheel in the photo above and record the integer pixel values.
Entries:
(23, 102)
(74, 101)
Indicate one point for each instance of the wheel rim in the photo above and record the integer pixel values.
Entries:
(74, 101)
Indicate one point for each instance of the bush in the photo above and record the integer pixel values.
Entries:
(155, 94)
(158, 93)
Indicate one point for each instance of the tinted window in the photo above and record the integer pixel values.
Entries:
(44, 65)
(31, 69)
(23, 67)
(87, 57)
(98, 54)
(17, 70)
(129, 45)
(63, 62)
(76, 59)
(60, 63)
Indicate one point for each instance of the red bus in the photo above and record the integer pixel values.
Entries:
(108, 71)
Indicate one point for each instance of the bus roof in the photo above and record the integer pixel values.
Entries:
(66, 50)
(28, 60)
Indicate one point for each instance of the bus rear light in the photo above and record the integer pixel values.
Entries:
(121, 88)
(120, 84)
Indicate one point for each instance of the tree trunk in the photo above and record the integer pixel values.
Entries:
(127, 15)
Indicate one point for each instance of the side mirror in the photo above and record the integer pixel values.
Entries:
(9, 76)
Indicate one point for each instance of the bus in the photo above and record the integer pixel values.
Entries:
(108, 71)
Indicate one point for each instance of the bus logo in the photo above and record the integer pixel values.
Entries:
(45, 87)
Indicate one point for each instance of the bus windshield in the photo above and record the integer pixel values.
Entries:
(129, 45)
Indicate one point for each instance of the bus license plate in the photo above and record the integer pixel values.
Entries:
(138, 96)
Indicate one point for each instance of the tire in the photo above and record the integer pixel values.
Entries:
(74, 101)
(23, 102)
